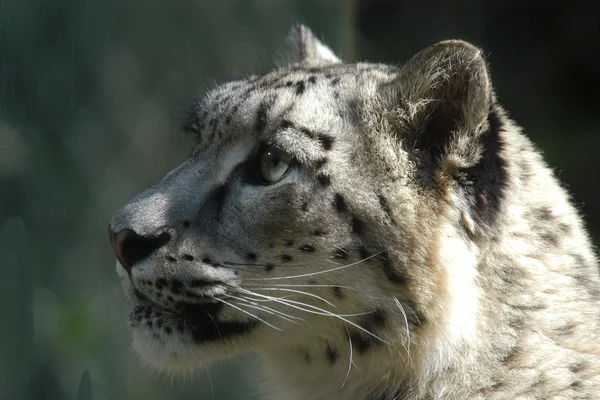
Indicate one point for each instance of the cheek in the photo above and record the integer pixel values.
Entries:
(256, 215)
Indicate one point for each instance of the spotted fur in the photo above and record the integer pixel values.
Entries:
(418, 247)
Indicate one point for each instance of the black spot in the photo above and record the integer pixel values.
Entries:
(357, 225)
(176, 286)
(312, 79)
(385, 206)
(331, 354)
(324, 179)
(191, 295)
(510, 354)
(335, 81)
(286, 124)
(300, 86)
(550, 237)
(363, 253)
(305, 354)
(197, 283)
(304, 206)
(389, 271)
(577, 367)
(337, 291)
(320, 163)
(309, 248)
(206, 260)
(339, 202)
(171, 258)
(250, 256)
(261, 117)
(360, 343)
(286, 258)
(161, 283)
(543, 213)
(168, 330)
(326, 141)
(372, 320)
(289, 243)
(186, 224)
(341, 254)
(318, 232)
(269, 267)
(188, 257)
(575, 384)
(310, 134)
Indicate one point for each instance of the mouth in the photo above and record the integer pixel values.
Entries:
(201, 320)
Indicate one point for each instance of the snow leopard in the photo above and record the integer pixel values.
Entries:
(370, 232)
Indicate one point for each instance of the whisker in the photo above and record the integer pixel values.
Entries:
(350, 356)
(406, 323)
(291, 303)
(316, 273)
(246, 264)
(230, 267)
(212, 392)
(247, 312)
(269, 310)
(299, 285)
(299, 292)
(285, 298)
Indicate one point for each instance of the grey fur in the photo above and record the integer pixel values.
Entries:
(457, 265)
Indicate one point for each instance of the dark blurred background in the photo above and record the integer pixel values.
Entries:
(91, 96)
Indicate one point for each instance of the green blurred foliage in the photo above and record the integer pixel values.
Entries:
(91, 97)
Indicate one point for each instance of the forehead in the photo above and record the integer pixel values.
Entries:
(305, 96)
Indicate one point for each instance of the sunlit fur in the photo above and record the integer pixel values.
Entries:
(418, 248)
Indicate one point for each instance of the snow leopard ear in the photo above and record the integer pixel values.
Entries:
(446, 94)
(309, 50)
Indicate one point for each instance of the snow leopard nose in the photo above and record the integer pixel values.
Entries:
(129, 247)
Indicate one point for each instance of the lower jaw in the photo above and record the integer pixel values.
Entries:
(196, 321)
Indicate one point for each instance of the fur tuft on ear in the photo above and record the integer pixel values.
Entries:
(309, 50)
(448, 90)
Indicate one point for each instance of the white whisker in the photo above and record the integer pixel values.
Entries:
(290, 303)
(350, 356)
(406, 323)
(247, 312)
(292, 285)
(268, 310)
(299, 292)
(316, 273)
(212, 392)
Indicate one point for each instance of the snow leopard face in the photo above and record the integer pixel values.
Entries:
(311, 210)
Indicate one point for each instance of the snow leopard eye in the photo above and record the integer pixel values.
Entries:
(274, 163)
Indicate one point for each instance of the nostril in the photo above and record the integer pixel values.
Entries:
(130, 247)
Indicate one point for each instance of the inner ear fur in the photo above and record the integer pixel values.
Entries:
(446, 96)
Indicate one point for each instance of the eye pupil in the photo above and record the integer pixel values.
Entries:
(274, 164)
